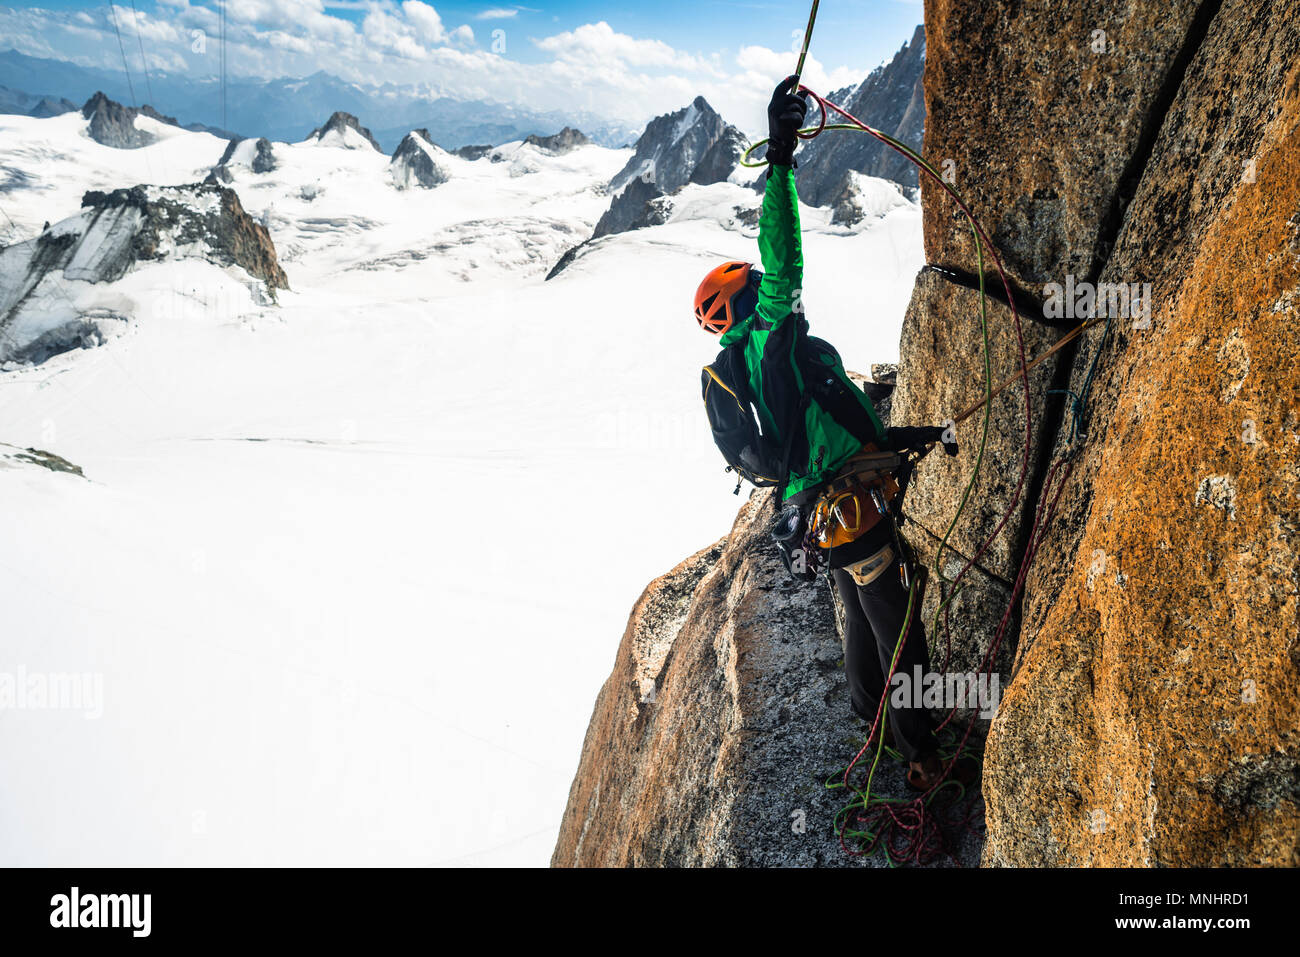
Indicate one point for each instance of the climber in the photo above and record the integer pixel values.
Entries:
(819, 440)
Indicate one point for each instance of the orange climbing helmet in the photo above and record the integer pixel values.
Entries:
(726, 296)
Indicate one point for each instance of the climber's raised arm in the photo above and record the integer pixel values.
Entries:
(779, 243)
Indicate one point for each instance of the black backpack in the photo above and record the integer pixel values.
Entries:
(733, 416)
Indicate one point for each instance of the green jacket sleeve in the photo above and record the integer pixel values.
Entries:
(779, 244)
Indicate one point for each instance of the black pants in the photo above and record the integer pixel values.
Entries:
(873, 617)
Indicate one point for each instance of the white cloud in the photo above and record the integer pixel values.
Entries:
(497, 13)
(133, 22)
(591, 67)
(759, 63)
(598, 43)
(425, 21)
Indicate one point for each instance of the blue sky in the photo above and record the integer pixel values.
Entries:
(625, 60)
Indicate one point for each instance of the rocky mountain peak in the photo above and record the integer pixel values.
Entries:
(692, 145)
(892, 99)
(344, 129)
(674, 145)
(113, 124)
(418, 162)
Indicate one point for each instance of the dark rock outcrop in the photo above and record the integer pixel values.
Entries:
(335, 132)
(472, 152)
(13, 456)
(858, 198)
(112, 124)
(567, 140)
(892, 100)
(568, 259)
(262, 159)
(415, 162)
(640, 204)
(183, 216)
(112, 233)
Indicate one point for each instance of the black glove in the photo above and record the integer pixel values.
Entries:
(785, 116)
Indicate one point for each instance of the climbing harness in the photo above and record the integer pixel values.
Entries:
(911, 830)
(855, 500)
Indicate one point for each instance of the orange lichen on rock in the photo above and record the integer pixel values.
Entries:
(1155, 712)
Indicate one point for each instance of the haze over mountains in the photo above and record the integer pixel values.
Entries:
(287, 109)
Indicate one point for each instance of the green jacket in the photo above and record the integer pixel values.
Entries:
(833, 416)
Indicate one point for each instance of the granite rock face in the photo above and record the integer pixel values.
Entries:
(1039, 111)
(726, 712)
(1153, 717)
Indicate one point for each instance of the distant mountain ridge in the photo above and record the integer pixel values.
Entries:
(29, 104)
(287, 108)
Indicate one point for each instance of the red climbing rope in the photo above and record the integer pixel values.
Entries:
(910, 831)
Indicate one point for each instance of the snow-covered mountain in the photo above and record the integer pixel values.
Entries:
(346, 563)
(891, 99)
(113, 233)
(692, 145)
(417, 162)
(343, 130)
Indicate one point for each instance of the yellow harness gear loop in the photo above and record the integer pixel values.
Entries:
(850, 491)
